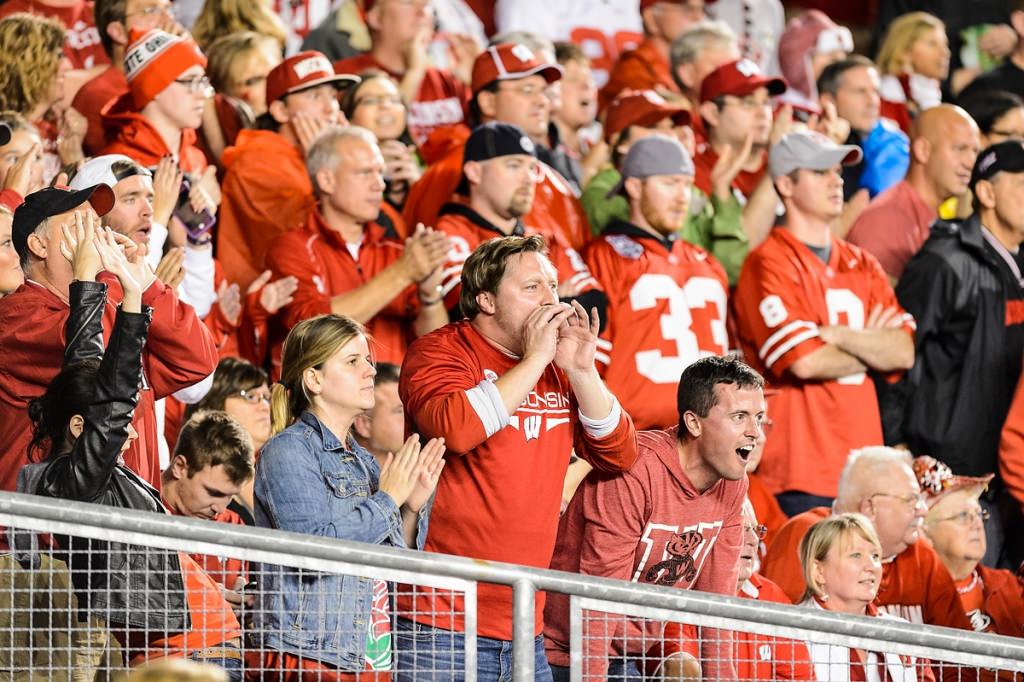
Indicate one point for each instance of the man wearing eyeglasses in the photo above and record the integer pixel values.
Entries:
(736, 110)
(159, 115)
(879, 482)
(114, 21)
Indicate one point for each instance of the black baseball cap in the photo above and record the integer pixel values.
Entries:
(492, 140)
(51, 201)
(5, 134)
(1005, 157)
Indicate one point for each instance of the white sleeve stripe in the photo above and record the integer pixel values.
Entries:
(602, 358)
(486, 402)
(599, 428)
(604, 343)
(782, 333)
(447, 287)
(789, 345)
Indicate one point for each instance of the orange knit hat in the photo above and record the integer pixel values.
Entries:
(154, 59)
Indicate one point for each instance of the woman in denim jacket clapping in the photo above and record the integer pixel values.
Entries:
(312, 477)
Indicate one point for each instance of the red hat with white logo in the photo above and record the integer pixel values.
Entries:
(739, 79)
(510, 61)
(154, 60)
(303, 71)
(644, 108)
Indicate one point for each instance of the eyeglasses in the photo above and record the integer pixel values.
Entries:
(384, 100)
(967, 517)
(912, 500)
(759, 530)
(199, 84)
(152, 10)
(525, 90)
(251, 396)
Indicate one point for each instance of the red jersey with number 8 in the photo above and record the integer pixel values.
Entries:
(666, 308)
(784, 294)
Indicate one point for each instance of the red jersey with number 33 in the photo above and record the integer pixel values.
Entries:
(784, 294)
(666, 308)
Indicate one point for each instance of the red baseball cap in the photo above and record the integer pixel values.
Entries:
(739, 79)
(510, 61)
(644, 108)
(644, 4)
(302, 71)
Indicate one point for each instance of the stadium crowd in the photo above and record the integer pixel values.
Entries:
(694, 296)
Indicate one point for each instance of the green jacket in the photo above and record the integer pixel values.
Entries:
(713, 224)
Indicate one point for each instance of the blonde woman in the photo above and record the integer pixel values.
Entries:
(842, 566)
(33, 68)
(313, 477)
(913, 63)
(224, 17)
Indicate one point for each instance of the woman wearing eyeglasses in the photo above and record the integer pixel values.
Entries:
(842, 566)
(955, 525)
(376, 104)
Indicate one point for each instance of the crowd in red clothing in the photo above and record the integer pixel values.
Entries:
(714, 181)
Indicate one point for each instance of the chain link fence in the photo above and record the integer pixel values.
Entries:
(91, 593)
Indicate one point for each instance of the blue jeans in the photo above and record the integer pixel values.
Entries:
(618, 670)
(794, 502)
(423, 652)
(232, 666)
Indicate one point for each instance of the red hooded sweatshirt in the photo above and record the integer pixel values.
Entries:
(266, 192)
(132, 135)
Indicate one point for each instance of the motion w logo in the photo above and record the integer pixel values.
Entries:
(531, 426)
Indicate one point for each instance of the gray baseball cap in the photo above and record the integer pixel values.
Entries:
(654, 155)
(809, 150)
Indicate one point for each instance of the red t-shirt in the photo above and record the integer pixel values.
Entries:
(667, 307)
(915, 586)
(501, 489)
(762, 657)
(784, 293)
(318, 257)
(648, 525)
(467, 229)
(441, 100)
(893, 227)
(82, 43)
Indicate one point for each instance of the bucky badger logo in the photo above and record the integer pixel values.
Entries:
(680, 563)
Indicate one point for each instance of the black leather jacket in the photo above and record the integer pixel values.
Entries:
(127, 585)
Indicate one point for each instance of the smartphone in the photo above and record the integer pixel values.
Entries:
(196, 223)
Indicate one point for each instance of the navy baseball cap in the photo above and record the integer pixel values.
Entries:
(1005, 157)
(493, 140)
(51, 201)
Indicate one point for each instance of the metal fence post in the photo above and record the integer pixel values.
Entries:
(523, 621)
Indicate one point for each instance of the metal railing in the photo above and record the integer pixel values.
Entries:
(62, 517)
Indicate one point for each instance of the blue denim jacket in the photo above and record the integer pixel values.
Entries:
(308, 481)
